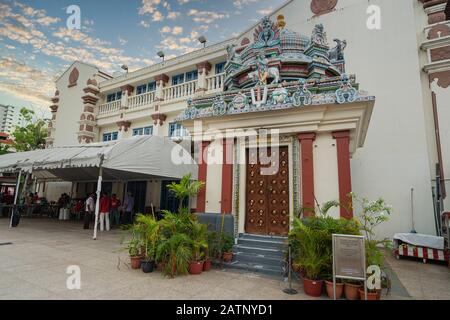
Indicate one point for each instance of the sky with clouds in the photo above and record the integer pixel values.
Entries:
(36, 46)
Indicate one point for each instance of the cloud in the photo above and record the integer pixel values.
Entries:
(265, 12)
(206, 16)
(177, 30)
(240, 4)
(173, 15)
(122, 41)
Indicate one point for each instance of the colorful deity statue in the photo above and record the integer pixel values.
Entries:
(267, 34)
(280, 95)
(264, 72)
(337, 53)
(319, 36)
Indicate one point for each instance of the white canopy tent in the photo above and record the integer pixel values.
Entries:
(142, 157)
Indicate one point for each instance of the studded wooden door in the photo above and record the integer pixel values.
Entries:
(267, 191)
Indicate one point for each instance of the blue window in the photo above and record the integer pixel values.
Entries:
(112, 136)
(147, 131)
(177, 130)
(151, 87)
(220, 67)
(178, 79)
(191, 76)
(114, 96)
(141, 89)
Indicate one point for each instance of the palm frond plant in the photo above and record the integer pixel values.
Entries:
(185, 189)
(149, 229)
(176, 253)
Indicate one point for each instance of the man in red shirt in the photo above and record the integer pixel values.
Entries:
(115, 215)
(105, 204)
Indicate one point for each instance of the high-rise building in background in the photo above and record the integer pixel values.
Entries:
(9, 117)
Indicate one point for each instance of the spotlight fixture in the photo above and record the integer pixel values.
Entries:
(161, 55)
(202, 40)
(124, 67)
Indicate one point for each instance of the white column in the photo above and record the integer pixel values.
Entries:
(16, 194)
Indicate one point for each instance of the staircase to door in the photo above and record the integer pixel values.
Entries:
(260, 254)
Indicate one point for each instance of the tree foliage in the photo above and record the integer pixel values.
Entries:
(31, 134)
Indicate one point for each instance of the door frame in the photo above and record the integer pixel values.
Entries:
(242, 197)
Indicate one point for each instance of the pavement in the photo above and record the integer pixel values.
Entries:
(34, 259)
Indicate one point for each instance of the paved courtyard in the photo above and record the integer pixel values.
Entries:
(34, 267)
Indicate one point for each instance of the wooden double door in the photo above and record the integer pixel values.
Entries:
(267, 192)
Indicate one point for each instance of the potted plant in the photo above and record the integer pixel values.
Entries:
(148, 227)
(198, 244)
(351, 289)
(133, 246)
(227, 247)
(175, 253)
(212, 252)
(373, 214)
(310, 255)
(330, 288)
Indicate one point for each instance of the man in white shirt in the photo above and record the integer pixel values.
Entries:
(90, 208)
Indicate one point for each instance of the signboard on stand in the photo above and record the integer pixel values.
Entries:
(349, 259)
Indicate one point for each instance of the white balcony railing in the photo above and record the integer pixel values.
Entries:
(109, 108)
(215, 82)
(183, 90)
(141, 100)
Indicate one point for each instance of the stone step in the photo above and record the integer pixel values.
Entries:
(260, 259)
(257, 268)
(263, 243)
(264, 238)
(268, 252)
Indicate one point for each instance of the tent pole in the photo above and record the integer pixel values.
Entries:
(99, 190)
(15, 198)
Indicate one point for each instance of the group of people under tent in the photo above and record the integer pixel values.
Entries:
(112, 212)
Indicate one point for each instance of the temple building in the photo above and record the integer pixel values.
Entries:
(313, 102)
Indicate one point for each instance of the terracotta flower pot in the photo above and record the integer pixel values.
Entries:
(135, 262)
(313, 288)
(339, 290)
(159, 266)
(351, 291)
(207, 265)
(370, 295)
(227, 256)
(196, 267)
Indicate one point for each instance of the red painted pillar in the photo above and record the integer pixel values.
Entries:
(202, 174)
(345, 179)
(227, 176)
(307, 172)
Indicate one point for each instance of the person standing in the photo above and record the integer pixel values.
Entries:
(128, 205)
(105, 205)
(115, 215)
(90, 207)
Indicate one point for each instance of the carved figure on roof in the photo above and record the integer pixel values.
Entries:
(267, 34)
(264, 72)
(337, 53)
(319, 36)
(346, 93)
(280, 95)
(219, 106)
(302, 97)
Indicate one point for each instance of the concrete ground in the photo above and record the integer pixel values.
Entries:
(34, 266)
